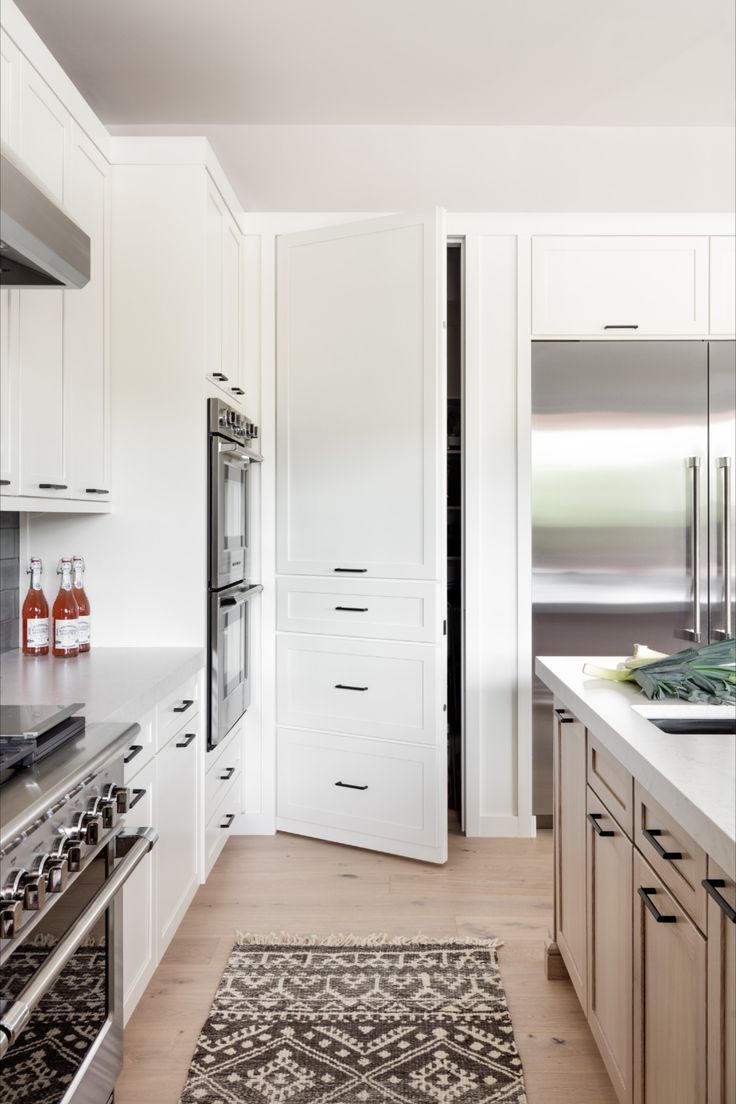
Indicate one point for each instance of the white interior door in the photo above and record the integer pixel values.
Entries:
(360, 496)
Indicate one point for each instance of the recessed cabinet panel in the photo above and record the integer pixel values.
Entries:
(139, 896)
(368, 688)
(360, 608)
(45, 131)
(213, 284)
(366, 787)
(570, 862)
(85, 329)
(9, 451)
(44, 398)
(723, 286)
(619, 286)
(359, 382)
(178, 825)
(9, 82)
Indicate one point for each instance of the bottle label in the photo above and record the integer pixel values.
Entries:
(66, 633)
(37, 632)
(84, 629)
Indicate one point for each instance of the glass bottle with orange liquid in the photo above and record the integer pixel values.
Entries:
(35, 614)
(65, 615)
(82, 602)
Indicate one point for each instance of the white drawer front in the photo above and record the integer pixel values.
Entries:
(177, 709)
(619, 286)
(367, 688)
(225, 771)
(141, 748)
(363, 608)
(395, 795)
(217, 830)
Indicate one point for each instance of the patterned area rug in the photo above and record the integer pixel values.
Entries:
(357, 1021)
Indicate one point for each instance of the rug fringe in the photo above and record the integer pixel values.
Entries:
(374, 939)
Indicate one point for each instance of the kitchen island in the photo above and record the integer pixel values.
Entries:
(645, 886)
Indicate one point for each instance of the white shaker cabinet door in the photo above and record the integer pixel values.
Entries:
(178, 828)
(140, 949)
(86, 366)
(9, 453)
(360, 389)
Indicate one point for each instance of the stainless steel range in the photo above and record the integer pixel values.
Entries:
(65, 853)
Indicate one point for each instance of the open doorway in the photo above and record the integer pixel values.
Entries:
(455, 482)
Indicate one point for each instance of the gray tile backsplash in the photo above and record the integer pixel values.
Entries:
(9, 581)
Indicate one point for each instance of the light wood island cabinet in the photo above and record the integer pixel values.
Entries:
(645, 924)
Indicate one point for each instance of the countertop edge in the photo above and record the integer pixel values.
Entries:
(714, 840)
(136, 707)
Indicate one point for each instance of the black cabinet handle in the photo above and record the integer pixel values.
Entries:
(352, 609)
(53, 487)
(228, 774)
(711, 887)
(139, 794)
(220, 376)
(646, 896)
(564, 717)
(593, 818)
(350, 786)
(187, 739)
(650, 835)
(340, 686)
(133, 750)
(4, 482)
(237, 390)
(186, 703)
(351, 570)
(622, 326)
(95, 490)
(228, 820)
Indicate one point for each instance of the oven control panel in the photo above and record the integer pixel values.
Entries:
(225, 419)
(36, 868)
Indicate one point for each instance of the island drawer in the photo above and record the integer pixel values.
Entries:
(612, 783)
(680, 862)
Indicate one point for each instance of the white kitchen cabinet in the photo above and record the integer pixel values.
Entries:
(140, 949)
(217, 829)
(222, 794)
(45, 131)
(619, 286)
(45, 402)
(86, 329)
(360, 422)
(723, 286)
(9, 450)
(9, 86)
(570, 851)
(178, 845)
(364, 687)
(223, 294)
(380, 608)
(368, 793)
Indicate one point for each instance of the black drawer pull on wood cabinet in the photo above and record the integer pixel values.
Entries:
(594, 818)
(711, 887)
(646, 896)
(564, 717)
(350, 786)
(650, 835)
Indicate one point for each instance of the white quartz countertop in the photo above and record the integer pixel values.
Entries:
(115, 684)
(693, 777)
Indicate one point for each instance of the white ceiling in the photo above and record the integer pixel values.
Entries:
(498, 62)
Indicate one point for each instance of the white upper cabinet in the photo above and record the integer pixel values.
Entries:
(359, 386)
(9, 82)
(619, 286)
(86, 362)
(223, 291)
(45, 128)
(9, 457)
(723, 286)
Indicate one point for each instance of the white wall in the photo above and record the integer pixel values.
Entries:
(472, 168)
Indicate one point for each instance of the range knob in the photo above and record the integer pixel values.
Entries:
(26, 887)
(10, 919)
(71, 849)
(54, 869)
(105, 809)
(254, 432)
(120, 795)
(86, 827)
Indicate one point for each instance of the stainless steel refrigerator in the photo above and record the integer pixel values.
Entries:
(632, 504)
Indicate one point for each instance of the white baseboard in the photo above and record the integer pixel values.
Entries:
(505, 827)
(254, 824)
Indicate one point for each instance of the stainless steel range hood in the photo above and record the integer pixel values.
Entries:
(40, 246)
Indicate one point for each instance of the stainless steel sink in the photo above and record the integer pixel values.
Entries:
(692, 726)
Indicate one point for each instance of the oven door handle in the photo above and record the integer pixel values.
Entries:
(133, 846)
(232, 453)
(240, 598)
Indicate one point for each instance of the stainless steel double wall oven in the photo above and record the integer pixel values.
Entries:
(233, 449)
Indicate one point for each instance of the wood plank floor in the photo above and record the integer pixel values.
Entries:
(289, 883)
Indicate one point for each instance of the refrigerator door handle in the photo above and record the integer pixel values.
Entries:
(723, 464)
(695, 633)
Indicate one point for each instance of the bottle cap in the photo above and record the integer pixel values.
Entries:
(34, 563)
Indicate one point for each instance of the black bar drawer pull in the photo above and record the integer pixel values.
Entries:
(4, 482)
(95, 490)
(138, 796)
(350, 786)
(228, 820)
(622, 326)
(227, 774)
(186, 703)
(187, 739)
(650, 835)
(593, 818)
(133, 750)
(237, 390)
(564, 717)
(341, 686)
(351, 570)
(352, 609)
(646, 896)
(220, 376)
(53, 486)
(711, 887)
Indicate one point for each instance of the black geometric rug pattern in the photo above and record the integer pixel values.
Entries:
(351, 1021)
